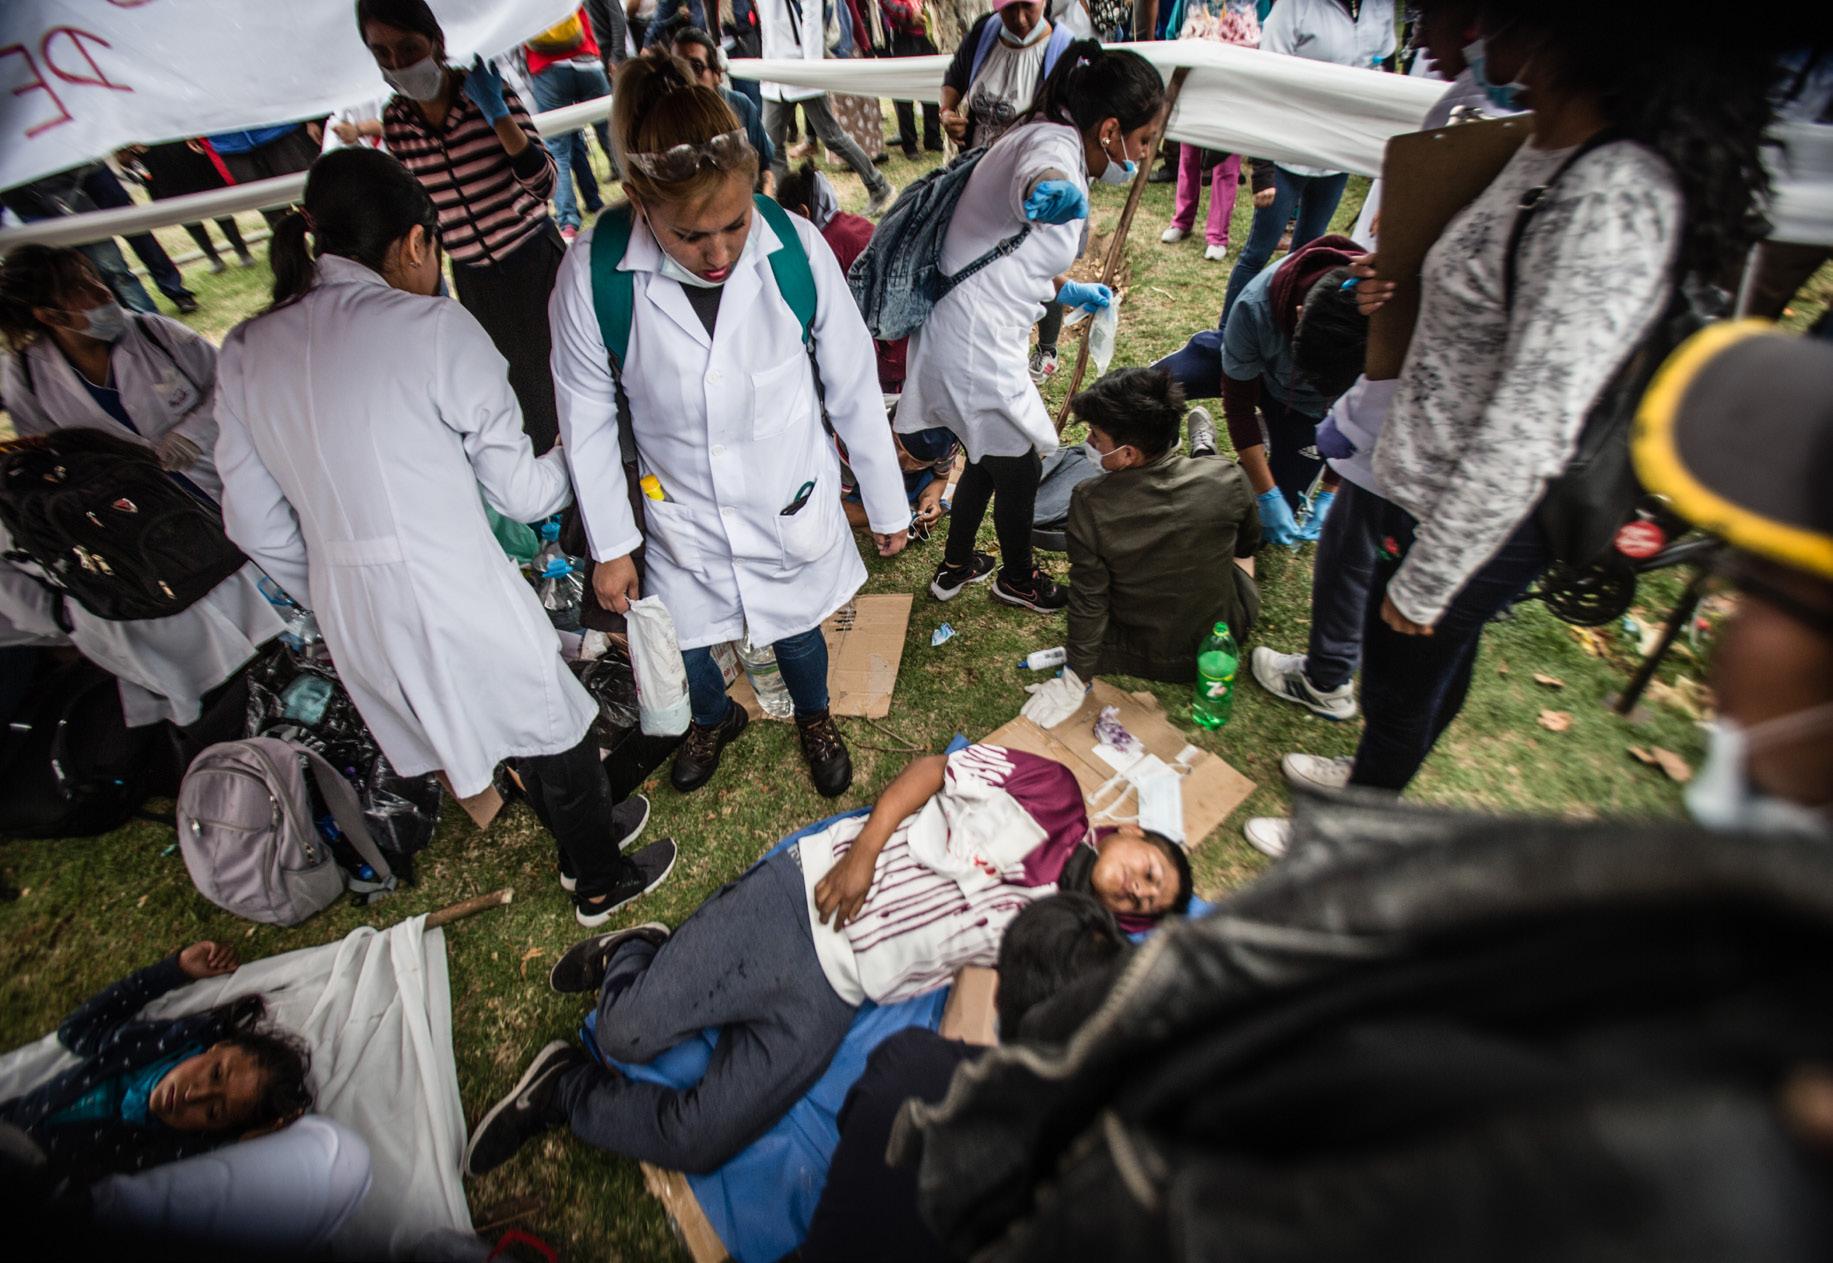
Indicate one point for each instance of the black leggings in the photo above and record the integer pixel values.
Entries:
(572, 796)
(1050, 328)
(1015, 478)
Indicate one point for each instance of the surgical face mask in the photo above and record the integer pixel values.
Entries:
(1118, 170)
(1097, 457)
(107, 322)
(1721, 795)
(1504, 96)
(1035, 34)
(420, 81)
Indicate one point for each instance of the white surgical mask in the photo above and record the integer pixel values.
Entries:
(420, 81)
(1721, 795)
(1097, 457)
(675, 271)
(1036, 33)
(1504, 96)
(1118, 170)
(107, 322)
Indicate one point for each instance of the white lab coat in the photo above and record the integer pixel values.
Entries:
(167, 380)
(968, 361)
(731, 427)
(357, 425)
(782, 40)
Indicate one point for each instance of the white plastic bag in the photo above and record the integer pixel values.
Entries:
(661, 676)
(1101, 336)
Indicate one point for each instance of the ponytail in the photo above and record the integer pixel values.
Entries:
(1092, 83)
(358, 202)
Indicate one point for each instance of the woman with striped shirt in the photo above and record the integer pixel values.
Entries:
(468, 140)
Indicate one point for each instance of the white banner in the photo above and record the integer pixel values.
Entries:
(81, 78)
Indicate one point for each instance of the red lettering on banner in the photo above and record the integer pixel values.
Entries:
(38, 84)
(96, 78)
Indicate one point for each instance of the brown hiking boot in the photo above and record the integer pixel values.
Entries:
(829, 764)
(698, 757)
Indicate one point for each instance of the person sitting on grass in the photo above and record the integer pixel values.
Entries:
(151, 1091)
(925, 459)
(880, 908)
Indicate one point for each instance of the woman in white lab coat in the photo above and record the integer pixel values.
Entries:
(359, 416)
(1094, 117)
(77, 359)
(744, 527)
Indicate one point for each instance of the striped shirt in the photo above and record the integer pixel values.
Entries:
(488, 203)
(952, 877)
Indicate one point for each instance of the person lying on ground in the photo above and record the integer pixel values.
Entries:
(154, 1090)
(879, 908)
(925, 458)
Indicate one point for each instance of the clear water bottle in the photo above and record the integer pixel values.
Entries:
(1217, 662)
(766, 678)
(562, 593)
(549, 548)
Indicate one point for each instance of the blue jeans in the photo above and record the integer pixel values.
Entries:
(569, 83)
(1313, 197)
(1341, 576)
(105, 190)
(802, 660)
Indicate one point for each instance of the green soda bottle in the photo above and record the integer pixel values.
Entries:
(1217, 662)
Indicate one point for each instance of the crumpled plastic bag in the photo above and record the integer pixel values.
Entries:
(661, 676)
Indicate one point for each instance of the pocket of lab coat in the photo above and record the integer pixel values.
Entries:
(807, 534)
(672, 534)
(781, 397)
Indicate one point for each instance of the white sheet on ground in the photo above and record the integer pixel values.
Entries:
(376, 1009)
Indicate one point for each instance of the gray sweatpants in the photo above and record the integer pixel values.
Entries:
(745, 963)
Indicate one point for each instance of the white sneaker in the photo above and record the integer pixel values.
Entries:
(1311, 771)
(1171, 236)
(1283, 675)
(1269, 835)
(1215, 254)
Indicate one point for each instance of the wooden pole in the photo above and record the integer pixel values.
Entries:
(1117, 248)
(469, 907)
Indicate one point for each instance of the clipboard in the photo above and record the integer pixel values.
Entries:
(1426, 179)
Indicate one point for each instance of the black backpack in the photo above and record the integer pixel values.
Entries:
(108, 526)
(1595, 496)
(71, 765)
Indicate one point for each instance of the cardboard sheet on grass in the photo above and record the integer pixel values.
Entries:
(863, 656)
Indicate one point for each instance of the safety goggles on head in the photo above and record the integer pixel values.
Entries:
(726, 151)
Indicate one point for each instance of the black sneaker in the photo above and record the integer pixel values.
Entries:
(698, 757)
(531, 1107)
(582, 967)
(829, 764)
(949, 580)
(648, 868)
(1043, 594)
(628, 820)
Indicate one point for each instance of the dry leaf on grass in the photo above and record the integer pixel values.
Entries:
(1591, 640)
(1675, 767)
(1501, 668)
(1555, 720)
(1549, 681)
(533, 953)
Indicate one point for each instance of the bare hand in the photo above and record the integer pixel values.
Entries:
(929, 509)
(842, 893)
(346, 132)
(890, 545)
(317, 132)
(955, 125)
(1264, 198)
(208, 960)
(1371, 294)
(1400, 622)
(616, 583)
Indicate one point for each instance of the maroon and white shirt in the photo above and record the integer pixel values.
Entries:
(488, 203)
(953, 875)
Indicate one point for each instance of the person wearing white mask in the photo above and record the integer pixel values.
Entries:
(1020, 220)
(716, 395)
(360, 416)
(466, 136)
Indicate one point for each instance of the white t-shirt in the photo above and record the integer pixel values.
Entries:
(1004, 88)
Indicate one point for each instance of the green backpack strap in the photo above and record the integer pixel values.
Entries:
(613, 291)
(795, 280)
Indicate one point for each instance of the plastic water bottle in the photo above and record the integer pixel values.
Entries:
(1217, 662)
(1044, 659)
(766, 678)
(557, 581)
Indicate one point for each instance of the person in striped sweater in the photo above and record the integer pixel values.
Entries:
(467, 138)
(878, 909)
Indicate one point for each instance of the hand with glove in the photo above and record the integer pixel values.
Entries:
(1086, 295)
(484, 85)
(1314, 519)
(176, 452)
(1054, 700)
(1277, 525)
(1056, 202)
(1332, 443)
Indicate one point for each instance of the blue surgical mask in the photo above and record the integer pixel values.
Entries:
(1721, 795)
(1118, 170)
(1503, 96)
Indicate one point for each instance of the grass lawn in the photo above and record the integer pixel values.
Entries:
(89, 910)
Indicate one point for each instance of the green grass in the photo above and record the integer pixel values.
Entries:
(89, 910)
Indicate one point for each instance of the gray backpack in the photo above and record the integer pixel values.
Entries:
(246, 827)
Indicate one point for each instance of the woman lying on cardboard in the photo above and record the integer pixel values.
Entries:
(879, 908)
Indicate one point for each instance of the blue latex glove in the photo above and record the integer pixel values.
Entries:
(1332, 443)
(1083, 294)
(1277, 525)
(1056, 202)
(1314, 520)
(484, 85)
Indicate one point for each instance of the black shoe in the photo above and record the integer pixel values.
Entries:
(583, 965)
(698, 757)
(1162, 174)
(531, 1107)
(646, 869)
(1042, 594)
(949, 580)
(933, 146)
(186, 304)
(246, 259)
(628, 820)
(900, 141)
(829, 764)
(217, 266)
